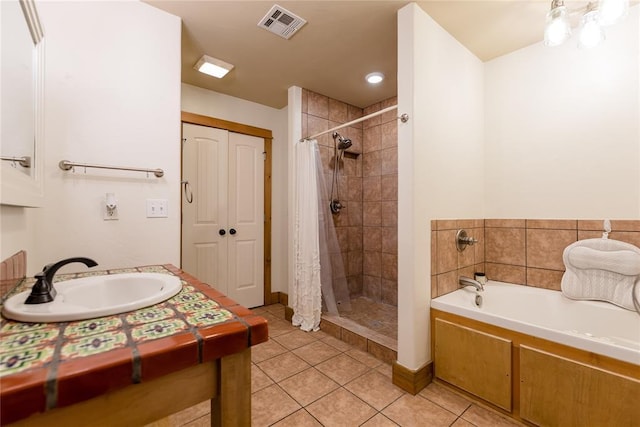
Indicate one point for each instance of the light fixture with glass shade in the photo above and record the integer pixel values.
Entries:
(591, 33)
(595, 15)
(557, 29)
(213, 66)
(612, 11)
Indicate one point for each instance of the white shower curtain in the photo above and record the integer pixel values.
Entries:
(306, 293)
(319, 270)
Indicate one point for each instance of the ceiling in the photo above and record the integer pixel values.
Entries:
(341, 42)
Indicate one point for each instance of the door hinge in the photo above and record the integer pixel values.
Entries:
(264, 156)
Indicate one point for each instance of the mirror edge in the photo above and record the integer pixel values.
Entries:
(19, 189)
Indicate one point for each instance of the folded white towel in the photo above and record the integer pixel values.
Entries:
(601, 269)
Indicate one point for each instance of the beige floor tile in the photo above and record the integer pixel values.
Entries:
(283, 366)
(259, 379)
(342, 368)
(385, 369)
(204, 421)
(308, 386)
(340, 408)
(379, 421)
(483, 417)
(299, 418)
(295, 339)
(334, 342)
(316, 352)
(266, 350)
(190, 414)
(446, 398)
(278, 327)
(375, 389)
(364, 357)
(462, 423)
(270, 405)
(418, 411)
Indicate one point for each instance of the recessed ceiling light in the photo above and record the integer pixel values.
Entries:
(374, 78)
(213, 66)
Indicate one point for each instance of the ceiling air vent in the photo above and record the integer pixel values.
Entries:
(281, 22)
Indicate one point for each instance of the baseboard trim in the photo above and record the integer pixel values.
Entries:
(409, 380)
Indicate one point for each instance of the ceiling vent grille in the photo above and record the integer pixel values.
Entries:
(281, 22)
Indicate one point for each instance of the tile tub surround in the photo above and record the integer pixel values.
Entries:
(521, 251)
(53, 365)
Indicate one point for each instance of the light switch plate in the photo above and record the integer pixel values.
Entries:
(157, 208)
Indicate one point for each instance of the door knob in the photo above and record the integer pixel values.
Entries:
(232, 231)
(222, 232)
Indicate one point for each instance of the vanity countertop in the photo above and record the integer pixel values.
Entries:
(53, 365)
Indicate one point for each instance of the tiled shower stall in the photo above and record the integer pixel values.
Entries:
(368, 180)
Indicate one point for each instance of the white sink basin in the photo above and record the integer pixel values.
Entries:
(95, 296)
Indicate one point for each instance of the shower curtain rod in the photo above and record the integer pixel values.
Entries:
(404, 118)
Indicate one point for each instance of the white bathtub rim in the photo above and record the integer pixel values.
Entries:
(603, 346)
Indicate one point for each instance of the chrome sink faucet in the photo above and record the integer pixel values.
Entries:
(43, 290)
(467, 281)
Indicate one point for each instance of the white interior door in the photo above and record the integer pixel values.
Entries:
(223, 227)
(204, 166)
(246, 218)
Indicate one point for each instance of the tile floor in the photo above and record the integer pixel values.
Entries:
(313, 379)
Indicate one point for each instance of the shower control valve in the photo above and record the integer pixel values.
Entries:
(463, 240)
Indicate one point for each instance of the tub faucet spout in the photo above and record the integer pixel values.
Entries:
(467, 281)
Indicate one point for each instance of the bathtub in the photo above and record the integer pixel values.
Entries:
(592, 326)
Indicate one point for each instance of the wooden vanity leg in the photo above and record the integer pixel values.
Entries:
(232, 406)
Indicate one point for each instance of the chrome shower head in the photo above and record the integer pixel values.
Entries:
(342, 143)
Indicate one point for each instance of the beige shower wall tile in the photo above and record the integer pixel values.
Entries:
(545, 247)
(338, 111)
(371, 139)
(316, 125)
(354, 188)
(371, 189)
(447, 282)
(505, 245)
(478, 248)
(371, 164)
(467, 257)
(372, 239)
(373, 121)
(434, 286)
(372, 265)
(318, 105)
(390, 240)
(548, 279)
(631, 237)
(389, 291)
(389, 116)
(556, 224)
(371, 287)
(355, 213)
(354, 113)
(389, 214)
(389, 266)
(355, 263)
(506, 273)
(389, 187)
(389, 163)
(389, 135)
(371, 213)
(447, 254)
(446, 224)
(505, 223)
(355, 238)
(305, 99)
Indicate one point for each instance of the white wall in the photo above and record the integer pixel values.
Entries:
(440, 160)
(563, 132)
(213, 104)
(112, 97)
